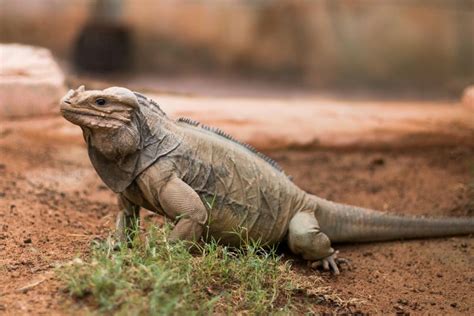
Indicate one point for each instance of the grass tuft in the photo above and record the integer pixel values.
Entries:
(156, 277)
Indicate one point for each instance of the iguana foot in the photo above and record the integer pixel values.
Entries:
(331, 262)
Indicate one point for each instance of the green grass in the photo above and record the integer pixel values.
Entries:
(155, 277)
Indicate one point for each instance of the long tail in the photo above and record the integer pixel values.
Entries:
(345, 223)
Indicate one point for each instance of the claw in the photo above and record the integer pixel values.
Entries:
(326, 265)
(331, 263)
(347, 262)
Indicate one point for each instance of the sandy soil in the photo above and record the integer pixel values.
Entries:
(52, 205)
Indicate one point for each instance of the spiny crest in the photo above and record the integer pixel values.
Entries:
(150, 103)
(188, 121)
(220, 132)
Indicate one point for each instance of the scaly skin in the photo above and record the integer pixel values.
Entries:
(247, 193)
(174, 168)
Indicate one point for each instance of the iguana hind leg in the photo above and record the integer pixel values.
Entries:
(306, 239)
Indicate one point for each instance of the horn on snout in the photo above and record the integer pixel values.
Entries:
(68, 96)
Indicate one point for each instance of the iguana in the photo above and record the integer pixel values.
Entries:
(174, 167)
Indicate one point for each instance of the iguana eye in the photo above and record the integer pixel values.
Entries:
(100, 101)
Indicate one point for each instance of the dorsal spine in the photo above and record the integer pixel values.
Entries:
(188, 121)
(150, 103)
(219, 132)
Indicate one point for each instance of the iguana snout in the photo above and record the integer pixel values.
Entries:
(99, 109)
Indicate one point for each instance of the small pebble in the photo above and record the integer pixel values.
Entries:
(378, 162)
(402, 301)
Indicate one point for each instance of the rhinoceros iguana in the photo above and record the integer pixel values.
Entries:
(174, 167)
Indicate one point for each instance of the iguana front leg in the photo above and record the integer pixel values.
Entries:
(128, 220)
(180, 202)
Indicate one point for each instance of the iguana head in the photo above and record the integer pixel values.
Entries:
(99, 109)
(125, 132)
(106, 118)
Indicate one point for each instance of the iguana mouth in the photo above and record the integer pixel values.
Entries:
(92, 118)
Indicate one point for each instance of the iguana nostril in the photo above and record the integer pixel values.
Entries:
(68, 102)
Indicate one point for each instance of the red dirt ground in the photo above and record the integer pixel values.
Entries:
(52, 205)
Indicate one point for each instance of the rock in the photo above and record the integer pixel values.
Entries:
(468, 97)
(31, 82)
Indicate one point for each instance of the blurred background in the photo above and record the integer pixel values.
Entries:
(416, 48)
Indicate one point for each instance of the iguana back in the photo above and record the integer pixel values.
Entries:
(248, 194)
